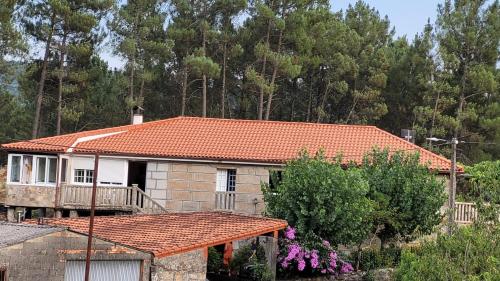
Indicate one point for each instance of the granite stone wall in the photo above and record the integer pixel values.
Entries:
(186, 187)
(30, 196)
(190, 266)
(44, 258)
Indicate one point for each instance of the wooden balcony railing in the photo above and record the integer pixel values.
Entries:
(131, 199)
(465, 213)
(225, 200)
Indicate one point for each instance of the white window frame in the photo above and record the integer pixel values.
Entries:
(86, 180)
(72, 170)
(34, 172)
(222, 180)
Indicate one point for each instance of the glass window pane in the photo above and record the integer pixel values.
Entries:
(52, 170)
(64, 167)
(79, 175)
(15, 168)
(40, 167)
(27, 169)
(89, 176)
(231, 180)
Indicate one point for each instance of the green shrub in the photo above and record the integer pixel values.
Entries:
(214, 260)
(407, 196)
(374, 259)
(245, 262)
(318, 195)
(472, 253)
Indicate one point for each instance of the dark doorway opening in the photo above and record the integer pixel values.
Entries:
(137, 173)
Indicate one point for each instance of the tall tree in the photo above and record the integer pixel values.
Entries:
(468, 32)
(269, 17)
(75, 36)
(39, 21)
(226, 11)
(139, 37)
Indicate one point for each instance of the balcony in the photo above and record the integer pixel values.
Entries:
(225, 200)
(127, 199)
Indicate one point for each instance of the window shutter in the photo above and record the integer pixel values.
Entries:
(221, 180)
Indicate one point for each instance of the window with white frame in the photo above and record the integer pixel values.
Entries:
(226, 180)
(83, 176)
(29, 169)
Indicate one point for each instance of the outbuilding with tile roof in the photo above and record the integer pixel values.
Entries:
(163, 247)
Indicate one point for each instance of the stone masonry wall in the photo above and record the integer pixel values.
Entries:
(30, 196)
(44, 258)
(188, 187)
(190, 266)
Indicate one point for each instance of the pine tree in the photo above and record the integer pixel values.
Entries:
(225, 12)
(270, 18)
(469, 42)
(39, 21)
(139, 37)
(75, 36)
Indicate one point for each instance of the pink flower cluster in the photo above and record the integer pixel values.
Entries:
(300, 257)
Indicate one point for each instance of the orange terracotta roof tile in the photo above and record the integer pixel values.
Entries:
(173, 233)
(235, 140)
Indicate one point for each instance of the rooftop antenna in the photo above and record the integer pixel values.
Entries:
(408, 135)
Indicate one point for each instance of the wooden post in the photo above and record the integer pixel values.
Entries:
(453, 186)
(92, 212)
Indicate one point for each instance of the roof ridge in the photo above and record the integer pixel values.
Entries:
(274, 121)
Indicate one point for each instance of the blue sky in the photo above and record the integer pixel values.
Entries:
(408, 16)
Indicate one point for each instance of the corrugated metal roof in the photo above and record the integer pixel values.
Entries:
(14, 233)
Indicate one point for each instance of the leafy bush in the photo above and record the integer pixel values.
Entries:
(472, 253)
(485, 183)
(374, 259)
(214, 260)
(251, 264)
(320, 197)
(308, 255)
(408, 197)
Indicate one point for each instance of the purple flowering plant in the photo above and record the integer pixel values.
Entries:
(309, 255)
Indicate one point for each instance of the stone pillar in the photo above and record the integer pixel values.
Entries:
(11, 214)
(73, 213)
(58, 214)
(41, 212)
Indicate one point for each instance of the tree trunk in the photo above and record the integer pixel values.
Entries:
(273, 78)
(131, 87)
(462, 99)
(309, 103)
(223, 93)
(436, 104)
(263, 73)
(60, 86)
(41, 82)
(204, 77)
(323, 102)
(141, 90)
(184, 90)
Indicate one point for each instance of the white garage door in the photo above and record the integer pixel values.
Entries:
(103, 270)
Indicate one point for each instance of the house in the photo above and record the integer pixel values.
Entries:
(177, 164)
(163, 247)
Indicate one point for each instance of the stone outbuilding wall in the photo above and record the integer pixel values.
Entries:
(188, 187)
(190, 266)
(44, 258)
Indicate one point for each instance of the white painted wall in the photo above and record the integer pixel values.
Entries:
(113, 172)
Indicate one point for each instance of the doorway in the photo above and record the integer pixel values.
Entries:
(137, 173)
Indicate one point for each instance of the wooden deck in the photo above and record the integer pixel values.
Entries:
(127, 199)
